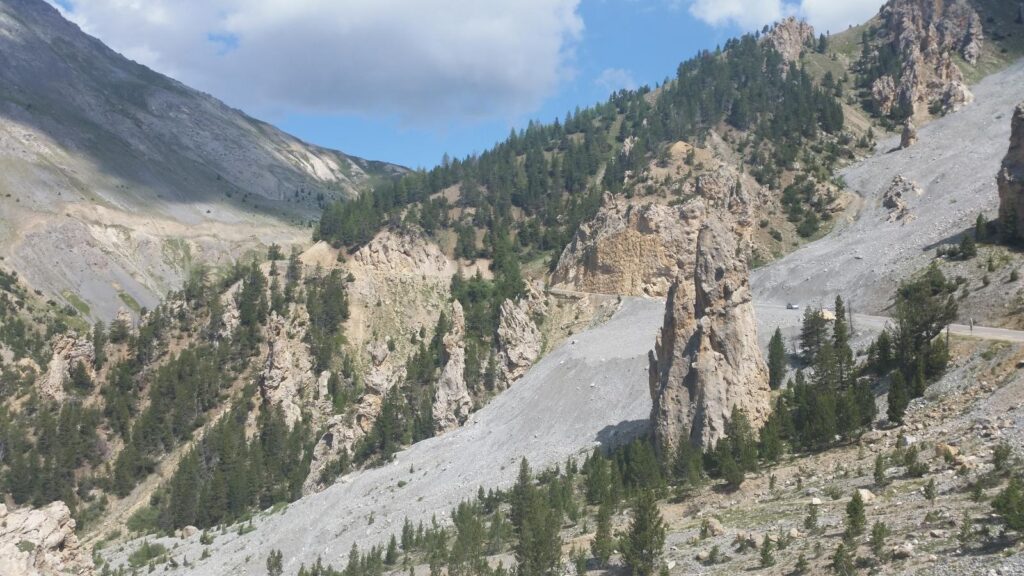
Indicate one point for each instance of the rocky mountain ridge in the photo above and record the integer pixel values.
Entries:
(117, 179)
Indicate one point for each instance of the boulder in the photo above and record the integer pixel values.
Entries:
(715, 527)
(903, 551)
(1011, 181)
(41, 542)
(867, 496)
(909, 137)
(895, 199)
(707, 360)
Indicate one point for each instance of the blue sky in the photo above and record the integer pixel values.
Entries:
(407, 81)
(636, 43)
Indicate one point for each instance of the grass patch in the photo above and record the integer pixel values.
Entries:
(130, 302)
(144, 520)
(77, 302)
(146, 552)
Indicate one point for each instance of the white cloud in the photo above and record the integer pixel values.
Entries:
(615, 79)
(420, 60)
(833, 15)
(746, 14)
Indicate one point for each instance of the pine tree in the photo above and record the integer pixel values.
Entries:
(538, 548)
(391, 556)
(841, 345)
(1009, 504)
(842, 561)
(603, 544)
(275, 563)
(879, 474)
(899, 397)
(855, 517)
(879, 532)
(99, 343)
(643, 543)
(776, 360)
(812, 334)
(767, 552)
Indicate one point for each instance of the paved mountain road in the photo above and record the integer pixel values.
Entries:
(878, 323)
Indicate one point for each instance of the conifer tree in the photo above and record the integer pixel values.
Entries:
(899, 397)
(603, 543)
(855, 518)
(643, 543)
(776, 360)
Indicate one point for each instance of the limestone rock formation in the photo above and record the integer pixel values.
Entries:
(909, 136)
(895, 199)
(452, 402)
(288, 371)
(41, 542)
(628, 248)
(519, 341)
(707, 359)
(789, 38)
(636, 247)
(393, 252)
(1011, 180)
(68, 350)
(926, 35)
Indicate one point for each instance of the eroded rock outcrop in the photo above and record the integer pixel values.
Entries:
(637, 247)
(926, 35)
(707, 359)
(288, 371)
(519, 341)
(895, 199)
(631, 249)
(789, 38)
(909, 136)
(452, 402)
(68, 351)
(1011, 180)
(41, 542)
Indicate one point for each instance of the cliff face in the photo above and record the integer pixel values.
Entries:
(452, 402)
(637, 247)
(926, 36)
(789, 38)
(629, 249)
(707, 360)
(41, 542)
(1011, 180)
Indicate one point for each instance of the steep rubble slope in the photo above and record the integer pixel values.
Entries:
(954, 163)
(89, 141)
(591, 389)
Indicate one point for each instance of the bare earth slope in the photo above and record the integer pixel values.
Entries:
(90, 141)
(955, 162)
(591, 389)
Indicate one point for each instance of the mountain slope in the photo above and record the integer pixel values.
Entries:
(90, 140)
(592, 389)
